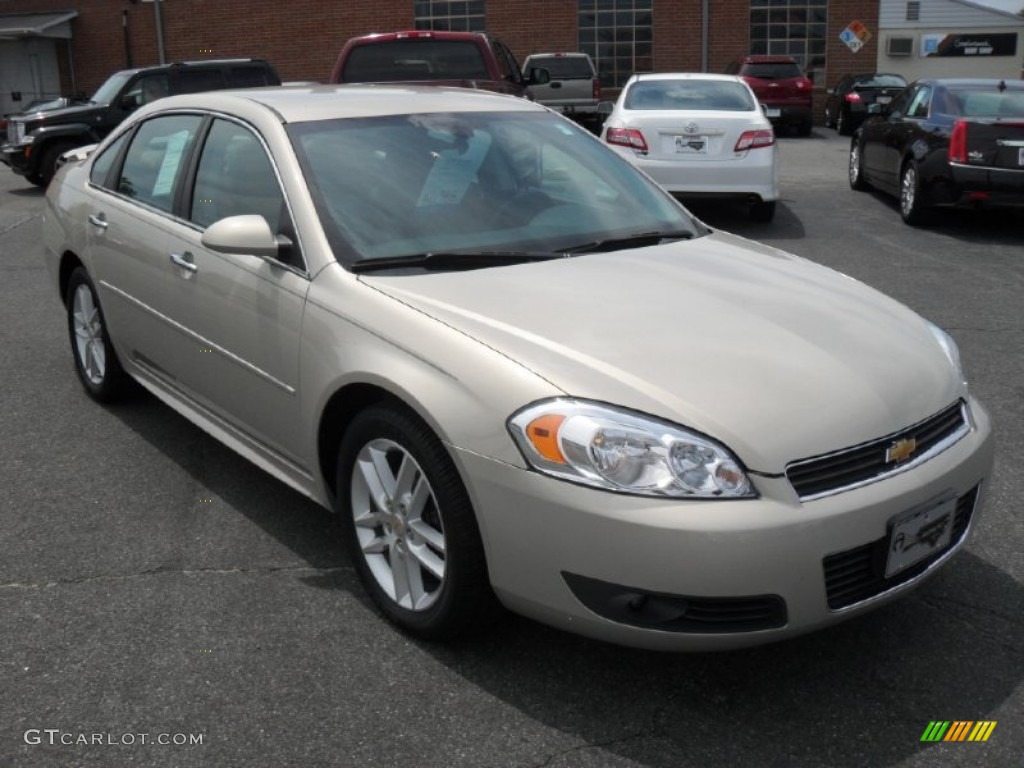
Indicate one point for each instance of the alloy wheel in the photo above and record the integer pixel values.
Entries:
(88, 327)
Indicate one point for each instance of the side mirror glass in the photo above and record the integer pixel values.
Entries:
(247, 235)
(131, 101)
(539, 76)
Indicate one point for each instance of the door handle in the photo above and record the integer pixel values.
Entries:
(184, 260)
(99, 220)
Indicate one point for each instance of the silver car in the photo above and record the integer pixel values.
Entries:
(522, 373)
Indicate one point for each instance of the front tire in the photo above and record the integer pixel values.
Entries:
(96, 362)
(856, 167)
(912, 208)
(412, 531)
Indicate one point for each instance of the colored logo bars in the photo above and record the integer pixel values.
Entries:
(958, 730)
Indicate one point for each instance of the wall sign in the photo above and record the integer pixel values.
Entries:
(970, 44)
(855, 36)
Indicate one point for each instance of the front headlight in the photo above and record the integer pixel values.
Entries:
(950, 348)
(619, 450)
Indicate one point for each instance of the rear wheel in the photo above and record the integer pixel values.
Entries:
(829, 122)
(95, 360)
(844, 125)
(412, 531)
(856, 168)
(912, 207)
(763, 211)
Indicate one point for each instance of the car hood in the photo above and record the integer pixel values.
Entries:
(67, 114)
(773, 355)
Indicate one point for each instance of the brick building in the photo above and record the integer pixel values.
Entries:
(83, 41)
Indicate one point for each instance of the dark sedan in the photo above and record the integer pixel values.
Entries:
(945, 143)
(848, 103)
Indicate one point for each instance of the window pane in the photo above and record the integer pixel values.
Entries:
(101, 165)
(155, 158)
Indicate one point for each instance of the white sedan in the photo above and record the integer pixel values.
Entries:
(699, 136)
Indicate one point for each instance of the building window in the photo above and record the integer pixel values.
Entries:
(617, 35)
(794, 28)
(914, 10)
(446, 15)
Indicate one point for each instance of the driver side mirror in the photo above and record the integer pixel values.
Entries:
(247, 235)
(538, 76)
(131, 101)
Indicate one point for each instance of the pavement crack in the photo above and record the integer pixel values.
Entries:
(17, 224)
(179, 571)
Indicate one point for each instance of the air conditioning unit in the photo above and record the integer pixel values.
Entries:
(899, 46)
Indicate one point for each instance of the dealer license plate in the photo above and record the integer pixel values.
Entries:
(692, 145)
(772, 112)
(884, 99)
(919, 534)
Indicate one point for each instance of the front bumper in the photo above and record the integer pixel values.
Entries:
(18, 157)
(541, 535)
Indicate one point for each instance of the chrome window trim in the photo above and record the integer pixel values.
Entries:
(935, 450)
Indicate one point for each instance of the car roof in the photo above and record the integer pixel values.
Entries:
(304, 103)
(768, 59)
(685, 76)
(200, 63)
(961, 81)
(414, 34)
(560, 55)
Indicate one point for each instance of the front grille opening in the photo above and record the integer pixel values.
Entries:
(677, 613)
(822, 475)
(859, 574)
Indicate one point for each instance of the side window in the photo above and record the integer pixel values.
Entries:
(199, 79)
(235, 178)
(506, 63)
(149, 88)
(155, 158)
(902, 102)
(105, 161)
(248, 77)
(919, 106)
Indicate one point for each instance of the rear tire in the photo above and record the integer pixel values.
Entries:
(411, 529)
(763, 211)
(96, 362)
(856, 167)
(912, 208)
(844, 125)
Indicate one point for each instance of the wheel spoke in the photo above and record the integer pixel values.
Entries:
(370, 462)
(428, 533)
(407, 474)
(420, 497)
(378, 545)
(427, 559)
(404, 570)
(368, 519)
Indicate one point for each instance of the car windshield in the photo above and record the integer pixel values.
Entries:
(987, 101)
(879, 81)
(564, 67)
(400, 185)
(415, 60)
(689, 94)
(775, 70)
(106, 92)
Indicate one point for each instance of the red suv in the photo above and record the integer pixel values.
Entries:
(780, 85)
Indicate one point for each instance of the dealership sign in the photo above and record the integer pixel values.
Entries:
(970, 44)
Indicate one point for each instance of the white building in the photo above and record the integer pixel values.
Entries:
(949, 38)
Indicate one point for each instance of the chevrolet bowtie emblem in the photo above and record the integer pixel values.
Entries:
(900, 451)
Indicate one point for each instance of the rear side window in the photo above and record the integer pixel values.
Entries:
(564, 67)
(772, 70)
(249, 77)
(155, 158)
(199, 79)
(415, 60)
(988, 102)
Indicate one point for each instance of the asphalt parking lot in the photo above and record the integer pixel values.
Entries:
(154, 583)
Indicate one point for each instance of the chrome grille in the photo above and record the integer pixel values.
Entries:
(824, 475)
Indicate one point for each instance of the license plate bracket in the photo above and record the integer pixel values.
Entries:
(919, 533)
(773, 112)
(884, 99)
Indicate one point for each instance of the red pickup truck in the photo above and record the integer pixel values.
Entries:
(465, 59)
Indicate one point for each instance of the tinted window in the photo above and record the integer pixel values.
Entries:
(772, 71)
(234, 178)
(879, 81)
(155, 159)
(919, 106)
(249, 77)
(689, 94)
(564, 67)
(148, 88)
(105, 93)
(199, 79)
(987, 102)
(415, 60)
(105, 161)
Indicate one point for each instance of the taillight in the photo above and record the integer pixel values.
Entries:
(626, 137)
(803, 84)
(754, 139)
(597, 90)
(852, 96)
(958, 143)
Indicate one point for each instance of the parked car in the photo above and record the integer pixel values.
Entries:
(847, 104)
(36, 141)
(36, 105)
(461, 59)
(574, 88)
(698, 135)
(515, 366)
(780, 85)
(945, 143)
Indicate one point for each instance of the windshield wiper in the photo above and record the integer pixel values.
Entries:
(442, 260)
(638, 240)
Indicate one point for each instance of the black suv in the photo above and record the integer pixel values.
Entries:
(36, 140)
